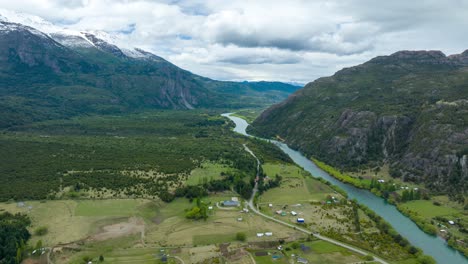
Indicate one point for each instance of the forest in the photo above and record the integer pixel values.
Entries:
(118, 152)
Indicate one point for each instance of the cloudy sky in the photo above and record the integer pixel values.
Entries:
(292, 41)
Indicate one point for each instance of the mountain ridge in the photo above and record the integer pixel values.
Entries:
(41, 78)
(407, 110)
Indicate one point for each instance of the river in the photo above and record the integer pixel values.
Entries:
(431, 245)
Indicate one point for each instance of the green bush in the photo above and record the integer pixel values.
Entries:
(40, 231)
(240, 236)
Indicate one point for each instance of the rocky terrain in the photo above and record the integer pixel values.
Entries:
(408, 110)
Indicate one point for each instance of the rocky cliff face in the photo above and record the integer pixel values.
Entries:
(408, 110)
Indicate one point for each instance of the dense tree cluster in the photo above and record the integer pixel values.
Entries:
(94, 152)
(13, 237)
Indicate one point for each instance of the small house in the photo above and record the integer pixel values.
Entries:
(300, 220)
(302, 260)
(451, 222)
(270, 205)
(260, 234)
(293, 213)
(268, 234)
(210, 207)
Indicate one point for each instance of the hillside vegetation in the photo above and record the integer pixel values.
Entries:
(408, 110)
(41, 79)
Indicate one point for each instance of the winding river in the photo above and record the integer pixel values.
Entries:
(433, 246)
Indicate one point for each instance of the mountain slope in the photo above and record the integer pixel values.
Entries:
(58, 73)
(409, 110)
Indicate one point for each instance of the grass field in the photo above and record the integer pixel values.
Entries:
(427, 209)
(213, 239)
(296, 186)
(206, 172)
(324, 252)
(69, 220)
(121, 208)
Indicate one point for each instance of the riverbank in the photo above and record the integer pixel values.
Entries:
(436, 224)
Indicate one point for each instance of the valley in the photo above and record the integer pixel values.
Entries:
(115, 147)
(137, 214)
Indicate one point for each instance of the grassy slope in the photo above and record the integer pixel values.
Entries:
(297, 186)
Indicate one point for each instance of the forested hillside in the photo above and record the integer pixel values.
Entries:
(48, 76)
(408, 110)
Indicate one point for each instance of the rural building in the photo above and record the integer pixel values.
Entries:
(231, 203)
(260, 234)
(300, 220)
(302, 260)
(293, 213)
(268, 233)
(210, 207)
(451, 222)
(270, 205)
(278, 212)
(235, 199)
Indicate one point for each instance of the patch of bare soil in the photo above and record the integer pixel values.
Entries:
(134, 225)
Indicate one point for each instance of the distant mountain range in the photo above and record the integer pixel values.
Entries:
(49, 72)
(408, 110)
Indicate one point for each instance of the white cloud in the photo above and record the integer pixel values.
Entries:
(271, 40)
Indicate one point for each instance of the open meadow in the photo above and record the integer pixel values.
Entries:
(297, 186)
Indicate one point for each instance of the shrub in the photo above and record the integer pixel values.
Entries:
(241, 236)
(295, 245)
(426, 260)
(40, 231)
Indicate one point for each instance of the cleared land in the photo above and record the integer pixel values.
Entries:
(207, 171)
(69, 220)
(297, 186)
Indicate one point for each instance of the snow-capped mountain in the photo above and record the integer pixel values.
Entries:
(69, 37)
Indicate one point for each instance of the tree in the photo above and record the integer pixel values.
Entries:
(240, 236)
(101, 258)
(13, 235)
(40, 231)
